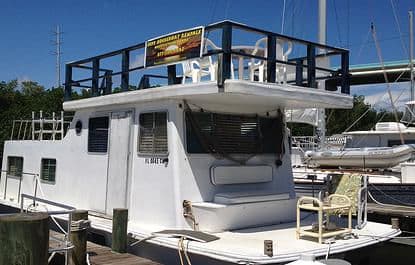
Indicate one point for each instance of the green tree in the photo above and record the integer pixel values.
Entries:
(338, 120)
(31, 88)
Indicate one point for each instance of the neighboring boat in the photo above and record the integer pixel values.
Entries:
(208, 156)
(368, 157)
(386, 134)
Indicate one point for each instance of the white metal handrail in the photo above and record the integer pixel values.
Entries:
(66, 241)
(41, 128)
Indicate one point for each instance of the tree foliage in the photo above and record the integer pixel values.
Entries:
(17, 101)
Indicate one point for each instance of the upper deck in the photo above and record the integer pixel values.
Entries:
(221, 63)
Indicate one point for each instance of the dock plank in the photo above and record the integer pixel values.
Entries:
(102, 255)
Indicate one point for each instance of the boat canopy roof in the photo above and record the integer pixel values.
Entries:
(216, 53)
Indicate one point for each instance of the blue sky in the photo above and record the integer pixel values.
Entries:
(93, 27)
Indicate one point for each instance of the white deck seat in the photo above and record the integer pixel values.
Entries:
(244, 211)
(248, 197)
(228, 175)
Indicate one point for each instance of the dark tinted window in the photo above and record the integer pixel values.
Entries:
(233, 134)
(15, 166)
(48, 170)
(153, 133)
(98, 134)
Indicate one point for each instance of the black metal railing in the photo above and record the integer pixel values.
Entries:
(305, 69)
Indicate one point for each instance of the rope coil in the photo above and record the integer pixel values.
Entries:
(80, 225)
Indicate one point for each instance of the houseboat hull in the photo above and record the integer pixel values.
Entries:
(243, 246)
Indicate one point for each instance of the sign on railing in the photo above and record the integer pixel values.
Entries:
(178, 46)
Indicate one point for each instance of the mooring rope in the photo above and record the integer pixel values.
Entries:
(182, 248)
(403, 204)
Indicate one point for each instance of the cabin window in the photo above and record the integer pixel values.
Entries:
(153, 133)
(98, 134)
(223, 134)
(15, 166)
(48, 170)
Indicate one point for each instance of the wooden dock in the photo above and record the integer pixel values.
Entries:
(102, 255)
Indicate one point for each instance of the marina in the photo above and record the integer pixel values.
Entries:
(180, 149)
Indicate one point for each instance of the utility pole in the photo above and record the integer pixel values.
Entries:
(57, 42)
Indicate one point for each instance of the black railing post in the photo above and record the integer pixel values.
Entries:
(68, 83)
(171, 74)
(95, 77)
(311, 66)
(299, 72)
(271, 58)
(225, 61)
(108, 83)
(125, 66)
(345, 83)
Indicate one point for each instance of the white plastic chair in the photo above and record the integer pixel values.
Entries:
(258, 67)
(208, 62)
(204, 66)
(198, 68)
(281, 69)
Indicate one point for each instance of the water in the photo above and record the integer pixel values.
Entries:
(387, 253)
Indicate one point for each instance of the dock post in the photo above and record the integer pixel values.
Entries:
(395, 223)
(119, 230)
(78, 237)
(24, 238)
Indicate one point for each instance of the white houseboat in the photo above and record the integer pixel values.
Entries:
(206, 148)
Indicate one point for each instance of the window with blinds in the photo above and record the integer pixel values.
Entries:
(208, 132)
(153, 133)
(15, 166)
(48, 170)
(98, 134)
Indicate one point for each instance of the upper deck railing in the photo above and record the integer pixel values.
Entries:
(229, 51)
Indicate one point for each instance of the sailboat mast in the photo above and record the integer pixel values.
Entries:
(322, 23)
(411, 53)
(322, 30)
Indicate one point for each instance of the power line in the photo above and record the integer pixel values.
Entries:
(399, 27)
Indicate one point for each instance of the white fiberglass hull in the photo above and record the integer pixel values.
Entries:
(376, 157)
(243, 246)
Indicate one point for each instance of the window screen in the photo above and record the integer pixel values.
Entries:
(153, 133)
(48, 170)
(98, 134)
(15, 166)
(233, 134)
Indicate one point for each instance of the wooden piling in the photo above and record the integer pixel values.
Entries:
(119, 230)
(78, 238)
(24, 238)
